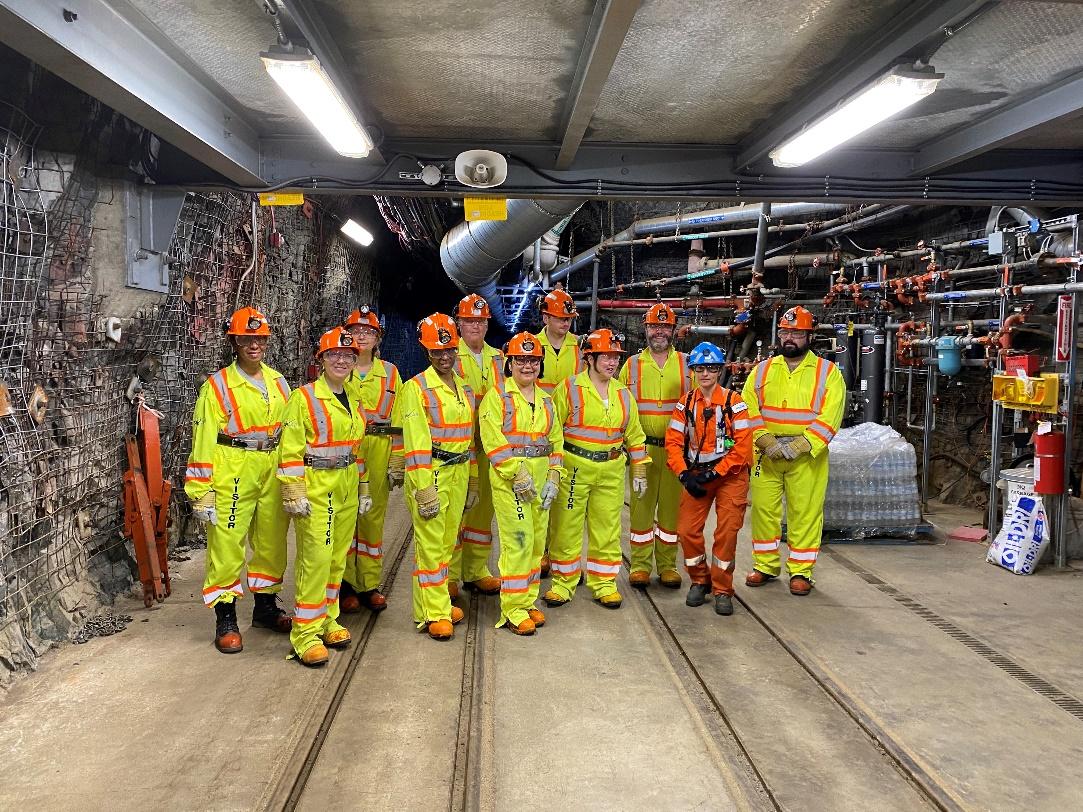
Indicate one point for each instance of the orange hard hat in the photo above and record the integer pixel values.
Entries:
(363, 317)
(437, 332)
(662, 314)
(334, 339)
(523, 344)
(248, 322)
(473, 306)
(603, 340)
(558, 303)
(797, 318)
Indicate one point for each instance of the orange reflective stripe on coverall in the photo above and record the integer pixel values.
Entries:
(807, 402)
(378, 394)
(432, 412)
(508, 426)
(653, 516)
(592, 492)
(246, 493)
(705, 437)
(316, 425)
(471, 559)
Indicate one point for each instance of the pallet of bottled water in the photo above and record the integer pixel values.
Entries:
(872, 489)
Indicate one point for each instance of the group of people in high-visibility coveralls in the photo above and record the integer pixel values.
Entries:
(540, 436)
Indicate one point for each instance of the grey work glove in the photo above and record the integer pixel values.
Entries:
(550, 489)
(396, 471)
(770, 446)
(364, 501)
(472, 495)
(203, 509)
(794, 447)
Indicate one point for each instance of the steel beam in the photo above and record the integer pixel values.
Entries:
(608, 27)
(304, 21)
(688, 172)
(97, 49)
(1060, 101)
(917, 23)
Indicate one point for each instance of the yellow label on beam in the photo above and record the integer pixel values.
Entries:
(281, 199)
(486, 208)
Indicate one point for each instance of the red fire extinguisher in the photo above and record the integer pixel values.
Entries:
(1049, 463)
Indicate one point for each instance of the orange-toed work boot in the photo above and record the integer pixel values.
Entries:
(349, 602)
(670, 578)
(526, 627)
(489, 585)
(440, 630)
(800, 586)
(338, 638)
(453, 589)
(545, 565)
(227, 635)
(457, 615)
(314, 656)
(758, 578)
(538, 616)
(639, 579)
(267, 613)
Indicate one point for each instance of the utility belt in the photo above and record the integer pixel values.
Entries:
(703, 466)
(595, 456)
(270, 444)
(534, 450)
(377, 429)
(329, 463)
(658, 441)
(450, 457)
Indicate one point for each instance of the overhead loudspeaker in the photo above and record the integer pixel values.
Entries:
(481, 168)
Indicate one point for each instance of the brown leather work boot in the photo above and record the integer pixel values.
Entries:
(373, 600)
(553, 598)
(639, 579)
(349, 603)
(453, 589)
(800, 586)
(440, 630)
(757, 578)
(227, 635)
(545, 565)
(457, 615)
(315, 657)
(538, 616)
(489, 585)
(670, 578)
(339, 638)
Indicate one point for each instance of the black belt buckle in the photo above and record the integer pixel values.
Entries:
(658, 441)
(450, 457)
(270, 444)
(593, 456)
(381, 429)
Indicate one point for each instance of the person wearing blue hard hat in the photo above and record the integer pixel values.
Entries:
(709, 448)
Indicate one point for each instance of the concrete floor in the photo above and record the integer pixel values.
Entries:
(903, 654)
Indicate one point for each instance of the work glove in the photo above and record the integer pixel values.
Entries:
(794, 447)
(639, 479)
(364, 500)
(770, 446)
(550, 489)
(689, 480)
(396, 471)
(523, 484)
(471, 494)
(203, 509)
(706, 476)
(428, 502)
(295, 499)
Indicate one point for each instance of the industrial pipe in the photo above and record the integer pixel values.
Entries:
(761, 244)
(698, 220)
(1005, 292)
(872, 375)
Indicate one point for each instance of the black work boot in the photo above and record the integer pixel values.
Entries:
(227, 635)
(267, 613)
(697, 595)
(723, 605)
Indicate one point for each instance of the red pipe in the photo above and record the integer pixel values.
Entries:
(735, 302)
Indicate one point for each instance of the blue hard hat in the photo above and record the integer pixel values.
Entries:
(706, 353)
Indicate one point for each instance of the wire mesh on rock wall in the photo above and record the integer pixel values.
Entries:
(63, 405)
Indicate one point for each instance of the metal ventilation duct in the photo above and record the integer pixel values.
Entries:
(474, 253)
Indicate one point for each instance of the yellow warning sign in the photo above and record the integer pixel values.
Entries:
(486, 208)
(281, 199)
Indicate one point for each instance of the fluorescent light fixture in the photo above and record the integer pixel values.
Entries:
(299, 73)
(891, 93)
(357, 232)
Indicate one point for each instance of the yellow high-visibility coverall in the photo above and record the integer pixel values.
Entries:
(378, 392)
(806, 402)
(513, 432)
(558, 365)
(437, 420)
(471, 559)
(233, 406)
(653, 531)
(317, 430)
(593, 492)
